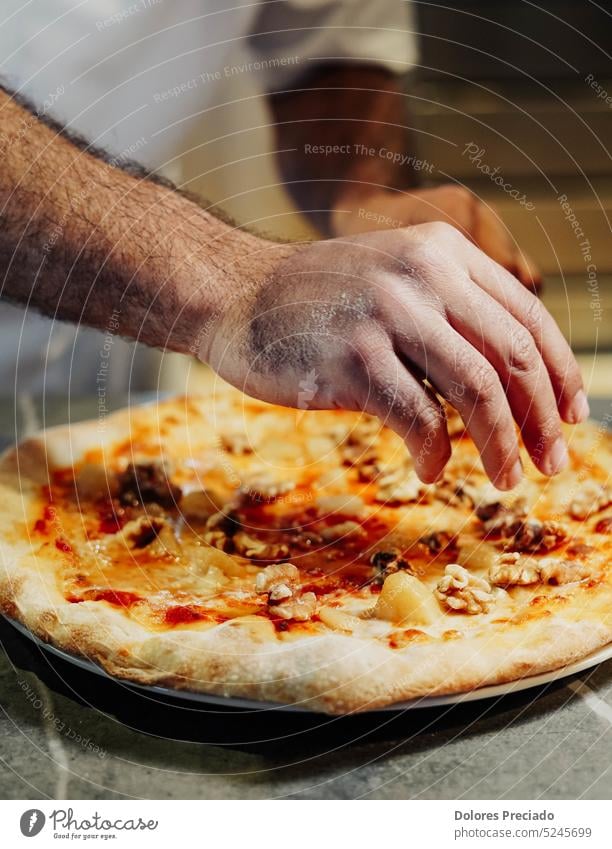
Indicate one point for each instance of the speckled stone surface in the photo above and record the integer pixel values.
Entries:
(69, 734)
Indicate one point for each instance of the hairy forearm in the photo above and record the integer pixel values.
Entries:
(86, 241)
(334, 134)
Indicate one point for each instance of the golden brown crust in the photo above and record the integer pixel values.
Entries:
(329, 671)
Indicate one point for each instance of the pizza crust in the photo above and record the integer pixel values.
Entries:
(331, 672)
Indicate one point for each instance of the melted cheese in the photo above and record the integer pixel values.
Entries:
(179, 579)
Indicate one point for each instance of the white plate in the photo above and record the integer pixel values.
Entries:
(494, 691)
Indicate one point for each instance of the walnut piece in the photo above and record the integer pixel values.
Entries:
(385, 563)
(254, 548)
(501, 520)
(369, 470)
(141, 532)
(579, 549)
(281, 582)
(152, 533)
(523, 535)
(220, 529)
(341, 530)
(263, 488)
(438, 541)
(278, 573)
(534, 535)
(453, 493)
(554, 570)
(400, 486)
(301, 608)
(142, 483)
(592, 498)
(342, 504)
(464, 592)
(513, 569)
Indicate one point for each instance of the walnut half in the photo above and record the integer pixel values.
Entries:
(513, 569)
(592, 498)
(301, 608)
(555, 571)
(399, 486)
(281, 582)
(461, 591)
(522, 534)
(279, 573)
(255, 549)
(264, 489)
(534, 535)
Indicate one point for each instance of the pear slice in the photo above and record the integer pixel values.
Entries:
(404, 600)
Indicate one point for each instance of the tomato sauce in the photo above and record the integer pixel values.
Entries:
(182, 614)
(120, 598)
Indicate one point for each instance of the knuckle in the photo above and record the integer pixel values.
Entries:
(483, 388)
(438, 230)
(523, 354)
(533, 314)
(373, 353)
(428, 422)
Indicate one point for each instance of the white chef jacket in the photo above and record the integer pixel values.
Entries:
(130, 76)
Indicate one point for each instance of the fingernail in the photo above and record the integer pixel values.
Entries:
(557, 458)
(579, 408)
(511, 478)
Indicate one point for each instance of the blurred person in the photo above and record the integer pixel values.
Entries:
(412, 292)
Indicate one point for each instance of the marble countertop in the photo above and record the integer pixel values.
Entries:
(69, 734)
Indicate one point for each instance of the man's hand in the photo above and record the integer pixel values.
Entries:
(368, 318)
(361, 211)
(372, 316)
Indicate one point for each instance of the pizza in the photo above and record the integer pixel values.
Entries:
(222, 545)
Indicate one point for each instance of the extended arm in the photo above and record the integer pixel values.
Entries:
(83, 240)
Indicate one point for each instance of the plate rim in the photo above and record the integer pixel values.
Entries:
(489, 691)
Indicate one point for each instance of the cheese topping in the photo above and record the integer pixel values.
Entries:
(178, 531)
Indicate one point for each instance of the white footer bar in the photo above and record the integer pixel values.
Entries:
(305, 824)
